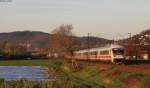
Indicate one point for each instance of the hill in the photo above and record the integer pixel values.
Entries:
(40, 39)
(36, 38)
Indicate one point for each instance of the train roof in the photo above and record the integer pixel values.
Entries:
(101, 48)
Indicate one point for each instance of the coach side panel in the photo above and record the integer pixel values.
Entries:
(105, 55)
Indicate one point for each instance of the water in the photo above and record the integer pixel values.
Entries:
(35, 73)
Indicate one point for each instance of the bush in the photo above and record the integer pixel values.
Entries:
(57, 65)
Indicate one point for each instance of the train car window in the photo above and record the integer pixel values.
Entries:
(93, 53)
(86, 53)
(118, 51)
(106, 52)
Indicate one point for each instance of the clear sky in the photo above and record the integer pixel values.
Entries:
(104, 18)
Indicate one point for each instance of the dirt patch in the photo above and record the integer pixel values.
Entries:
(139, 69)
(115, 73)
(107, 81)
(146, 83)
(133, 81)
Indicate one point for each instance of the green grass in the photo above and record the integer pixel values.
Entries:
(25, 84)
(25, 63)
(69, 79)
(87, 77)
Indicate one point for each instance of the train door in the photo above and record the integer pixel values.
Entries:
(112, 55)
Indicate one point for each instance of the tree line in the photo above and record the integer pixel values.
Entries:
(14, 52)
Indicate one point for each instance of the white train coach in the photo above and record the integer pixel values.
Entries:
(111, 53)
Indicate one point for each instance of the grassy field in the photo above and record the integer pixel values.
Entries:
(88, 76)
(67, 77)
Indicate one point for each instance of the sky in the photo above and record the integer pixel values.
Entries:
(103, 18)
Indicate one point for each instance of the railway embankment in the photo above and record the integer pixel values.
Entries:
(119, 75)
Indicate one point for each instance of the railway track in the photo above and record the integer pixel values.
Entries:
(124, 62)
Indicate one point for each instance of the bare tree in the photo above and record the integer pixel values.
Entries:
(63, 41)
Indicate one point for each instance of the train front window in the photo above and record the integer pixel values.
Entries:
(118, 51)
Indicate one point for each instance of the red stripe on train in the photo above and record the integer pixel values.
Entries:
(96, 57)
(104, 57)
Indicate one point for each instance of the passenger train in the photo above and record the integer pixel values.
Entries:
(111, 53)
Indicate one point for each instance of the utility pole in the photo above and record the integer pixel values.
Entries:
(130, 45)
(130, 36)
(88, 54)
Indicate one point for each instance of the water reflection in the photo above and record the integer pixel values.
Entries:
(35, 73)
